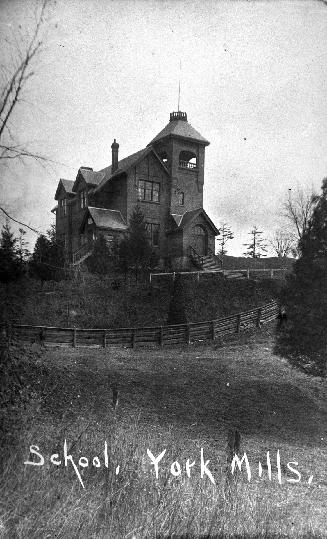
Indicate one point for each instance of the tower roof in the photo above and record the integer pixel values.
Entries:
(178, 126)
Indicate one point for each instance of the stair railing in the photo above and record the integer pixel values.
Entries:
(82, 251)
(216, 257)
(198, 259)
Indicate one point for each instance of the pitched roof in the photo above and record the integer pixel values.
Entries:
(178, 127)
(183, 220)
(125, 164)
(90, 176)
(104, 218)
(67, 185)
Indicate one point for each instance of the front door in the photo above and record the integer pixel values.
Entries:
(199, 242)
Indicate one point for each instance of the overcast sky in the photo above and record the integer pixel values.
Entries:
(253, 82)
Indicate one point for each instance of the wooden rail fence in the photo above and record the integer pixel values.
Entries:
(157, 335)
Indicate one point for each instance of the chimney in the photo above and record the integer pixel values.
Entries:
(114, 150)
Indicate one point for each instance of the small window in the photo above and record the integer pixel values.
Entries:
(181, 198)
(153, 231)
(82, 198)
(148, 191)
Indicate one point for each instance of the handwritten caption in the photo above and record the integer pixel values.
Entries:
(159, 463)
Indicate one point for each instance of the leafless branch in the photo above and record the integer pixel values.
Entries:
(283, 243)
(298, 209)
(19, 222)
(13, 88)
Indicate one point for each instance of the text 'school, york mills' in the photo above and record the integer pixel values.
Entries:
(165, 179)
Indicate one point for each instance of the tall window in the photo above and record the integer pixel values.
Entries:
(82, 198)
(153, 231)
(149, 191)
(63, 206)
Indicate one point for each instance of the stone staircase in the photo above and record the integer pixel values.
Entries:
(211, 263)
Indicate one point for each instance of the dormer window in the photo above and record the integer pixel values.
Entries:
(82, 198)
(187, 160)
(181, 198)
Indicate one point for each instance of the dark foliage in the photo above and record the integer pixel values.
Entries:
(11, 264)
(100, 262)
(177, 312)
(135, 251)
(304, 337)
(48, 260)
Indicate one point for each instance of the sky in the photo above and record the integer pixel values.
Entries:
(253, 82)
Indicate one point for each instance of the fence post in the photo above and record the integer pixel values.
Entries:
(213, 333)
(160, 336)
(258, 318)
(238, 323)
(133, 338)
(74, 337)
(198, 276)
(42, 337)
(272, 273)
(104, 339)
(188, 334)
(248, 273)
(174, 276)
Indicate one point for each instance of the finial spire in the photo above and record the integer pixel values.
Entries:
(179, 84)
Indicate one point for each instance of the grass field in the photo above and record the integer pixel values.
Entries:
(178, 400)
(92, 302)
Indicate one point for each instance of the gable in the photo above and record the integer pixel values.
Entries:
(65, 187)
(127, 164)
(189, 218)
(79, 183)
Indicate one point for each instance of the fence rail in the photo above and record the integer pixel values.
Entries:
(246, 273)
(155, 335)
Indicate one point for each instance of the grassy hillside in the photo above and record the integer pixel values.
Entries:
(272, 262)
(92, 302)
(174, 400)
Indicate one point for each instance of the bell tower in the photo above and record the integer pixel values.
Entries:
(182, 150)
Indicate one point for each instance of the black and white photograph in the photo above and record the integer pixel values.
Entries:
(163, 269)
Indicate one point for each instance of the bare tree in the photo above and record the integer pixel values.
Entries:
(15, 79)
(225, 235)
(257, 248)
(298, 210)
(282, 242)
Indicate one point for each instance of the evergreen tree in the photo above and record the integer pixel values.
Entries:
(225, 234)
(22, 250)
(48, 259)
(135, 251)
(257, 248)
(304, 337)
(100, 262)
(10, 264)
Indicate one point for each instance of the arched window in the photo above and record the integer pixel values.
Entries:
(187, 160)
